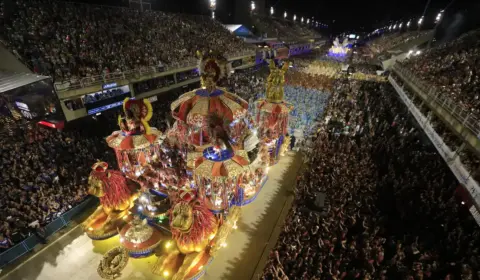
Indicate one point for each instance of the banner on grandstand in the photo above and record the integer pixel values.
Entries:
(110, 97)
(475, 214)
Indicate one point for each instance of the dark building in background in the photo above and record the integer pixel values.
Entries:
(227, 11)
(197, 7)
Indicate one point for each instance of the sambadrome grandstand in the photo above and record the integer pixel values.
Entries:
(365, 146)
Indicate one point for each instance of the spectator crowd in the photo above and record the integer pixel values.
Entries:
(44, 174)
(72, 41)
(467, 157)
(389, 41)
(452, 69)
(393, 209)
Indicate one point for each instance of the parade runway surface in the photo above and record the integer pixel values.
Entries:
(75, 257)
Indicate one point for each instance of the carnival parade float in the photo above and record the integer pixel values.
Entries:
(189, 183)
(273, 115)
(340, 49)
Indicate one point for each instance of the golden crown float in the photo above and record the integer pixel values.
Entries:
(179, 194)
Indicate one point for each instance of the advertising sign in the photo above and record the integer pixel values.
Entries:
(112, 96)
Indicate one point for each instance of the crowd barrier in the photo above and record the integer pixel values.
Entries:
(30, 242)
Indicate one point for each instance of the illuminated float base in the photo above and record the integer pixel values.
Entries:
(96, 230)
(198, 270)
(202, 269)
(273, 151)
(251, 198)
(140, 239)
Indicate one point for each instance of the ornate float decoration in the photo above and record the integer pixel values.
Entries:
(273, 112)
(339, 49)
(110, 186)
(153, 206)
(249, 186)
(218, 175)
(137, 145)
(193, 108)
(113, 262)
(139, 238)
(142, 155)
(218, 169)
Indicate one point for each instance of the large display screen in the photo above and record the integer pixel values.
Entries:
(112, 96)
(352, 36)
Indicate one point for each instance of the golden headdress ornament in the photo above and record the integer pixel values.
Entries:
(213, 66)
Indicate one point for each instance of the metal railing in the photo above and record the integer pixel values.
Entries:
(30, 242)
(136, 73)
(458, 111)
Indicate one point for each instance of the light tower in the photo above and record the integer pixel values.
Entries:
(213, 7)
(420, 21)
(439, 17)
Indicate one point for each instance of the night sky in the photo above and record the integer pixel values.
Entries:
(363, 15)
(341, 16)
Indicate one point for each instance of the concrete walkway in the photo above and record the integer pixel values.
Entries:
(75, 257)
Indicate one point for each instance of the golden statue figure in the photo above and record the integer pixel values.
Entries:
(275, 82)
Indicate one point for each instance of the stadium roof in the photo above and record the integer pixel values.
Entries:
(9, 81)
(238, 30)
